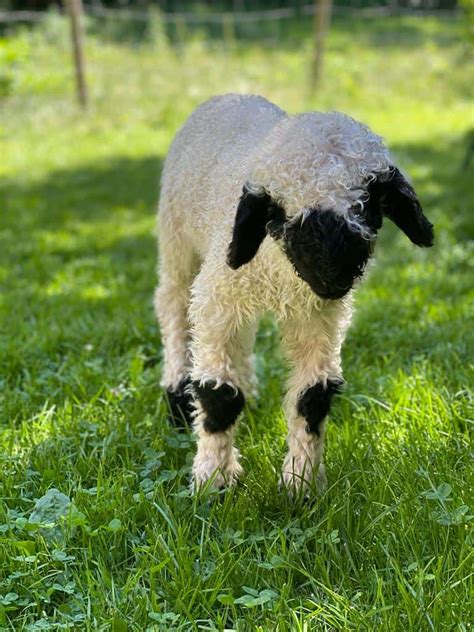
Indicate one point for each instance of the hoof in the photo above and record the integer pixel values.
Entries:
(303, 480)
(208, 473)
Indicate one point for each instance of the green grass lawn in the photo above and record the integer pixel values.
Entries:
(388, 547)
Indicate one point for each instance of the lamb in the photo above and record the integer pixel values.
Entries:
(261, 211)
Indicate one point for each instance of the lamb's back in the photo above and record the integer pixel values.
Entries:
(208, 160)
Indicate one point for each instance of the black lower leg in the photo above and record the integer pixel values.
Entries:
(180, 401)
(221, 405)
(314, 403)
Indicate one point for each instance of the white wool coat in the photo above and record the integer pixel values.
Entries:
(207, 311)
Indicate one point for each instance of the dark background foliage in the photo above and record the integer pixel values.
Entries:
(171, 6)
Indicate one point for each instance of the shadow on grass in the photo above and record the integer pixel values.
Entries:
(81, 247)
(78, 256)
(76, 230)
(86, 193)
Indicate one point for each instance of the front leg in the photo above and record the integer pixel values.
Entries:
(216, 459)
(216, 384)
(316, 377)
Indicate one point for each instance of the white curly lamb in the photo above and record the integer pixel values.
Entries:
(261, 211)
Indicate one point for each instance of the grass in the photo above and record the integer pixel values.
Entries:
(389, 546)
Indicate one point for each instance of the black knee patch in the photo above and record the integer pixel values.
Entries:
(315, 402)
(221, 405)
(181, 404)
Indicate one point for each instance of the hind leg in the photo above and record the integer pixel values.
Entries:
(177, 267)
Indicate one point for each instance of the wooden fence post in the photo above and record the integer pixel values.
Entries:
(74, 9)
(322, 17)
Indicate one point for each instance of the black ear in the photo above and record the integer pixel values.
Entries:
(396, 199)
(253, 213)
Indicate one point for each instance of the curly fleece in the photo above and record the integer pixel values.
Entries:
(208, 313)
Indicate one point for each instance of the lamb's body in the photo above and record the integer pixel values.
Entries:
(209, 312)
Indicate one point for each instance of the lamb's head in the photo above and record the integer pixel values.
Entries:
(321, 186)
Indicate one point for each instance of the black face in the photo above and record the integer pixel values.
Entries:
(325, 250)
